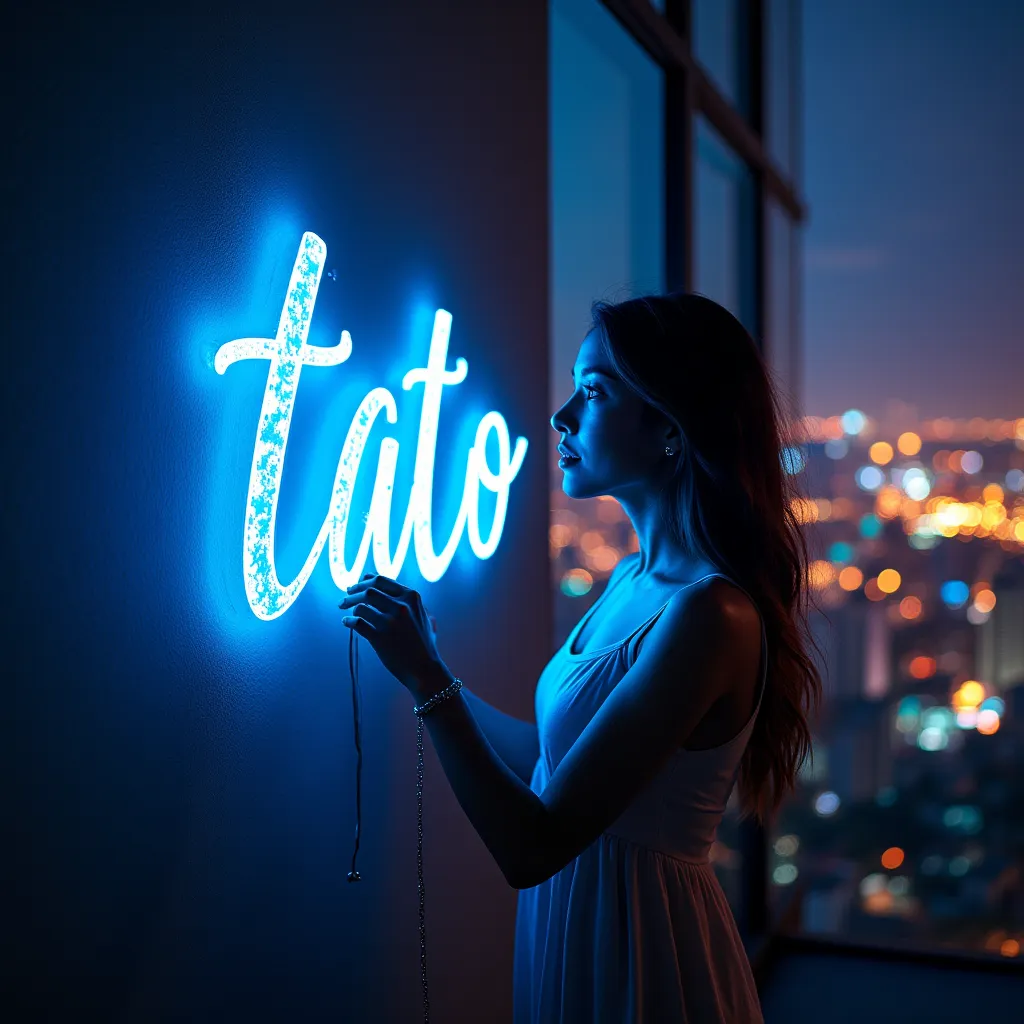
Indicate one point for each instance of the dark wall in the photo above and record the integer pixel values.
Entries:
(184, 773)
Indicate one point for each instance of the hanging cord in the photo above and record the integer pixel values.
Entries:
(353, 671)
(353, 875)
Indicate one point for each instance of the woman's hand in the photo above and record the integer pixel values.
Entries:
(401, 632)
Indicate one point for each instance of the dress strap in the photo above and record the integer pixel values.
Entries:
(637, 638)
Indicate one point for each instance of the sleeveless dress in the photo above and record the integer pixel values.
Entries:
(636, 929)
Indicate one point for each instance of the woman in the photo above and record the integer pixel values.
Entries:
(688, 676)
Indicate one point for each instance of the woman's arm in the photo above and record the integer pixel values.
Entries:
(516, 742)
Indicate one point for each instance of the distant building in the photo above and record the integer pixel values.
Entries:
(860, 749)
(1000, 656)
(857, 645)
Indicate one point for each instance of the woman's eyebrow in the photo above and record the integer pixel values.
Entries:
(596, 370)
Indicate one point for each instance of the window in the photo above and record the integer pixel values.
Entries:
(781, 340)
(607, 238)
(905, 828)
(781, 80)
(722, 48)
(724, 251)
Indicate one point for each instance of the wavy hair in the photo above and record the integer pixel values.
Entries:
(730, 501)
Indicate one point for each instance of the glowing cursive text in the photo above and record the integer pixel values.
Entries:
(287, 353)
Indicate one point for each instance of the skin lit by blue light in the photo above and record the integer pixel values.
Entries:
(287, 353)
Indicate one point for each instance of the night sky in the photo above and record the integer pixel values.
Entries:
(914, 175)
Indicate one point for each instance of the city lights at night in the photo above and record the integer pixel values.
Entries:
(917, 542)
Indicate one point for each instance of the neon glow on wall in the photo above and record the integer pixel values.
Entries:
(287, 353)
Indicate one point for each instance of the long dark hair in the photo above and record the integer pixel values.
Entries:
(730, 500)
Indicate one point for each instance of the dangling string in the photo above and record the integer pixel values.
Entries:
(353, 875)
(353, 671)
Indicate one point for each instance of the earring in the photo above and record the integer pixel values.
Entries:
(668, 451)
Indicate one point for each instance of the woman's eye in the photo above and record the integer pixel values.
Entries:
(591, 391)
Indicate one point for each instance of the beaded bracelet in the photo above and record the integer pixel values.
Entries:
(438, 698)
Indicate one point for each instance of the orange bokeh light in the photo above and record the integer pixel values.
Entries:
(970, 694)
(889, 581)
(851, 578)
(910, 607)
(922, 667)
(881, 452)
(821, 573)
(908, 443)
(892, 858)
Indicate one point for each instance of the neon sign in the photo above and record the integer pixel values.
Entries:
(287, 353)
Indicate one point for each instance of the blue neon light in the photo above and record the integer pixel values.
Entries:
(287, 353)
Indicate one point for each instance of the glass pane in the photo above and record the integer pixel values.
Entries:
(781, 343)
(723, 248)
(719, 31)
(907, 827)
(781, 29)
(607, 239)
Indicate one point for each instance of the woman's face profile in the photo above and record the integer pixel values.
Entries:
(618, 451)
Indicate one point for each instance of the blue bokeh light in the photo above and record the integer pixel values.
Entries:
(955, 593)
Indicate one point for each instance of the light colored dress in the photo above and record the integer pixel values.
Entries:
(636, 929)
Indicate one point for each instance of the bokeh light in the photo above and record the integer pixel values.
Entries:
(971, 462)
(851, 578)
(954, 593)
(870, 526)
(840, 551)
(869, 478)
(915, 483)
(826, 804)
(881, 452)
(988, 722)
(908, 443)
(892, 858)
(793, 460)
(785, 874)
(577, 582)
(853, 421)
(889, 581)
(820, 573)
(837, 448)
(787, 845)
(969, 695)
(922, 667)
